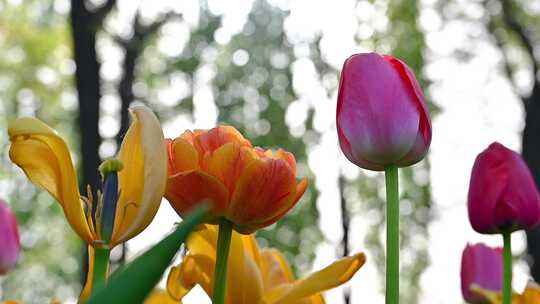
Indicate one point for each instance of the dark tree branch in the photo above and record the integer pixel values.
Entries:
(345, 225)
(84, 26)
(521, 32)
(133, 48)
(499, 42)
(102, 12)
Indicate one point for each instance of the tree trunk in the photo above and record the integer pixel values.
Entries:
(88, 88)
(87, 81)
(531, 155)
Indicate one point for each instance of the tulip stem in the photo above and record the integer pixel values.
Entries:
(392, 235)
(507, 273)
(220, 273)
(101, 267)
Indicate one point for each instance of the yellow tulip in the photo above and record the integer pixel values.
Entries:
(160, 296)
(44, 157)
(255, 276)
(531, 295)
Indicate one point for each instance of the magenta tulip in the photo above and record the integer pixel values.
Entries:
(482, 266)
(502, 194)
(9, 239)
(381, 115)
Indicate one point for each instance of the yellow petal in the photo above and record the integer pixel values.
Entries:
(531, 295)
(243, 276)
(244, 280)
(142, 181)
(193, 270)
(203, 241)
(332, 276)
(44, 157)
(159, 296)
(275, 268)
(87, 290)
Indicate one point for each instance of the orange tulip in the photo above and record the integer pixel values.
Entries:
(250, 187)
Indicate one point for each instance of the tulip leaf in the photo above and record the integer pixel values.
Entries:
(135, 281)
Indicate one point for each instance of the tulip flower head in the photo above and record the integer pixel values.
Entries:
(255, 276)
(9, 239)
(381, 115)
(250, 187)
(481, 267)
(502, 192)
(132, 194)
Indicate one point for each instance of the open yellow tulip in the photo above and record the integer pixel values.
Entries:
(531, 295)
(255, 276)
(137, 187)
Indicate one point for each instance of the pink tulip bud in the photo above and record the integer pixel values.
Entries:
(381, 115)
(481, 266)
(502, 192)
(9, 239)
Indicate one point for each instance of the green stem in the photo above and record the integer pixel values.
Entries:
(507, 273)
(220, 273)
(101, 268)
(392, 235)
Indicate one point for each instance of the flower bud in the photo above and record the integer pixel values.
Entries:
(381, 115)
(481, 267)
(9, 239)
(502, 192)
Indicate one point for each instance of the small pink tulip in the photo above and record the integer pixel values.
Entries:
(482, 266)
(381, 115)
(9, 239)
(502, 192)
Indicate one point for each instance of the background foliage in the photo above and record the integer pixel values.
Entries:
(247, 78)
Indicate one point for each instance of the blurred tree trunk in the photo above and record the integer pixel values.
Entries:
(84, 26)
(508, 26)
(531, 154)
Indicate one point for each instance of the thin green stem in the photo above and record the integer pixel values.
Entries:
(101, 267)
(507, 273)
(392, 235)
(220, 273)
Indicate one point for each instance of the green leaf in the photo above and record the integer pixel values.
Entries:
(135, 281)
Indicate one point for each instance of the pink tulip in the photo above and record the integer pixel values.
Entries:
(502, 192)
(381, 115)
(9, 239)
(482, 266)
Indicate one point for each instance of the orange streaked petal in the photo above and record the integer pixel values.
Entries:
(188, 189)
(266, 188)
(45, 158)
(300, 189)
(284, 155)
(144, 176)
(182, 156)
(228, 162)
(214, 138)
